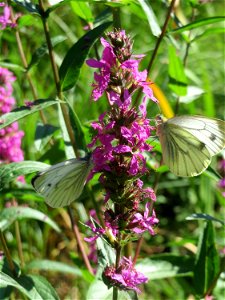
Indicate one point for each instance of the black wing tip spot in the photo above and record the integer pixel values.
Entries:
(33, 180)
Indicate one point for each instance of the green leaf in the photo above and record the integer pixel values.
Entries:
(12, 67)
(41, 51)
(23, 111)
(11, 214)
(69, 151)
(44, 133)
(83, 10)
(29, 6)
(207, 265)
(166, 265)
(152, 20)
(204, 217)
(100, 290)
(70, 68)
(9, 172)
(33, 286)
(55, 266)
(198, 23)
(178, 80)
(26, 20)
(77, 129)
(208, 32)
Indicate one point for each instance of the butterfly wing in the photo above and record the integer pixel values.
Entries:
(189, 142)
(63, 183)
(209, 131)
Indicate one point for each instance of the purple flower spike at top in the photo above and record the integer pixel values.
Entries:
(120, 140)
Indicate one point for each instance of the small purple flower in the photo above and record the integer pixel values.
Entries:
(142, 223)
(102, 80)
(125, 277)
(222, 183)
(119, 73)
(10, 136)
(10, 144)
(5, 18)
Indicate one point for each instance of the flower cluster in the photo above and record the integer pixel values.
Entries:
(10, 136)
(119, 145)
(125, 276)
(5, 19)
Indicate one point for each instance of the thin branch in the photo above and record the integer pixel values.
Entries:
(57, 79)
(79, 241)
(7, 253)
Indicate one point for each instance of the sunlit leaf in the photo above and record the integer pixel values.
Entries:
(166, 265)
(151, 17)
(54, 266)
(198, 23)
(23, 111)
(33, 286)
(178, 80)
(82, 9)
(11, 214)
(9, 172)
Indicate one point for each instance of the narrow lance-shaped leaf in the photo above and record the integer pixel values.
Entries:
(9, 172)
(70, 68)
(204, 217)
(152, 20)
(43, 134)
(11, 214)
(166, 265)
(83, 10)
(77, 129)
(33, 286)
(43, 49)
(23, 111)
(69, 151)
(53, 266)
(178, 80)
(207, 263)
(199, 23)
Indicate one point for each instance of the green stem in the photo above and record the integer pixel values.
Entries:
(18, 239)
(25, 64)
(118, 255)
(161, 36)
(57, 79)
(19, 243)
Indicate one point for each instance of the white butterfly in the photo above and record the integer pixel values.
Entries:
(63, 183)
(189, 142)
